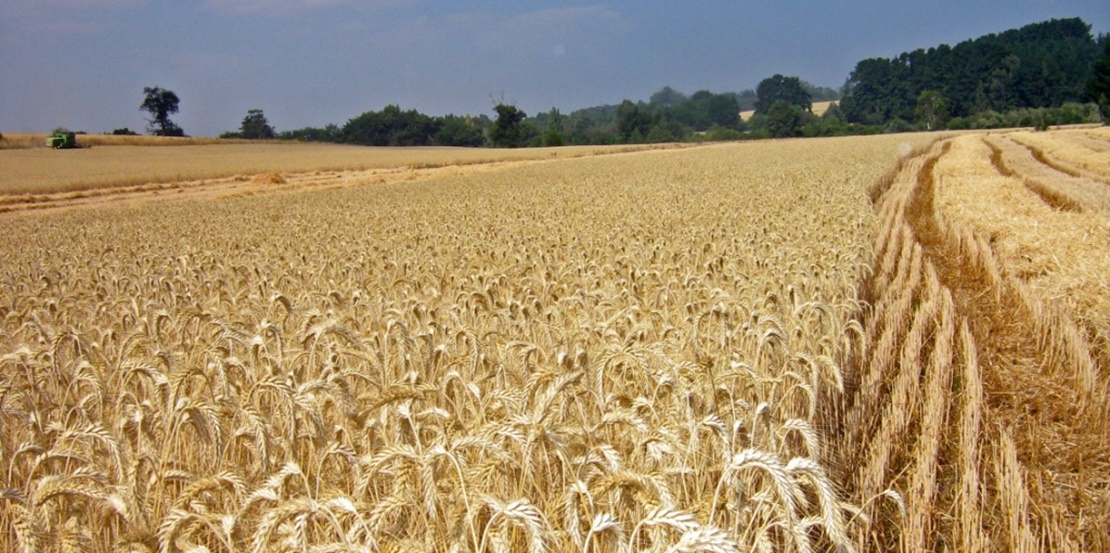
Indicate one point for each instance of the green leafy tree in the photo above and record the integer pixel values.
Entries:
(506, 131)
(391, 126)
(830, 123)
(1098, 86)
(460, 131)
(160, 104)
(871, 94)
(932, 110)
(723, 111)
(665, 130)
(1039, 65)
(553, 133)
(779, 88)
(667, 96)
(256, 127)
(634, 122)
(330, 133)
(783, 119)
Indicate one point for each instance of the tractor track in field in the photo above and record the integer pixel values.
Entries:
(1063, 457)
(230, 187)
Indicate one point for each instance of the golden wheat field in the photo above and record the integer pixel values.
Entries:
(111, 161)
(799, 345)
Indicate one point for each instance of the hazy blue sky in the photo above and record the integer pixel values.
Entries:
(83, 63)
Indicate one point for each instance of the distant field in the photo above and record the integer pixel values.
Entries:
(43, 170)
(30, 141)
(819, 108)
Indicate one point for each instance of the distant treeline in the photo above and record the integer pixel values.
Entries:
(1037, 75)
(668, 116)
(393, 126)
(1037, 66)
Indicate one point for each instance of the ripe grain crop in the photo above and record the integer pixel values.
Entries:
(31, 141)
(615, 353)
(41, 171)
(983, 401)
(1081, 152)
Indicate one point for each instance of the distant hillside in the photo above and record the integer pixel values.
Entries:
(1039, 65)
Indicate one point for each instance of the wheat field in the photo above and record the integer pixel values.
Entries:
(984, 398)
(110, 161)
(791, 345)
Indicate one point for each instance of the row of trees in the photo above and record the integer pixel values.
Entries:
(669, 116)
(1031, 76)
(1040, 65)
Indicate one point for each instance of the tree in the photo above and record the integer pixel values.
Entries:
(830, 123)
(932, 110)
(1098, 86)
(868, 97)
(255, 126)
(329, 133)
(391, 126)
(506, 130)
(1039, 65)
(783, 119)
(553, 134)
(634, 122)
(667, 96)
(460, 131)
(664, 131)
(723, 111)
(779, 88)
(160, 104)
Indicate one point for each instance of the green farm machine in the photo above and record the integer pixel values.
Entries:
(61, 140)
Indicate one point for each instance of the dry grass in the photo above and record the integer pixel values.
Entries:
(580, 355)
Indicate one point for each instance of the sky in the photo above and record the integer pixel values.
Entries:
(83, 64)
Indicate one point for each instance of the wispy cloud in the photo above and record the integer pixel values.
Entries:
(573, 14)
(544, 28)
(28, 6)
(65, 16)
(247, 7)
(483, 33)
(458, 59)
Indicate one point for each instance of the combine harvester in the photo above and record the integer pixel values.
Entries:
(62, 140)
